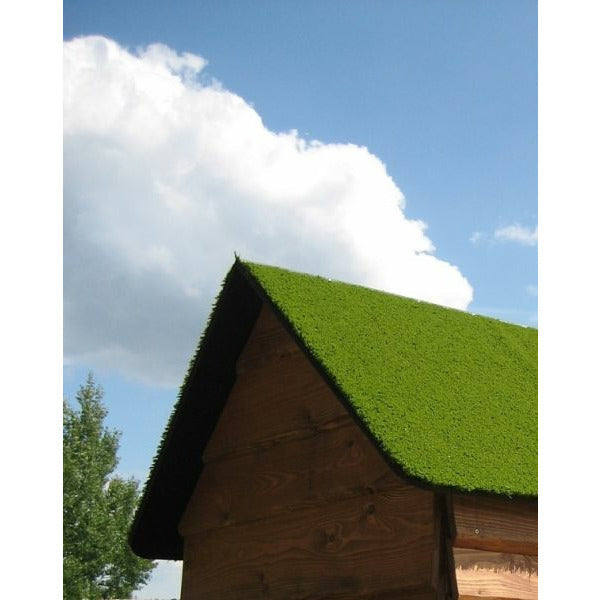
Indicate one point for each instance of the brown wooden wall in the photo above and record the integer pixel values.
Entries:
(295, 502)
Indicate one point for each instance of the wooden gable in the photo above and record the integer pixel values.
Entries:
(294, 501)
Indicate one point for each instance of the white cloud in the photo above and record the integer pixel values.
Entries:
(165, 176)
(476, 237)
(517, 233)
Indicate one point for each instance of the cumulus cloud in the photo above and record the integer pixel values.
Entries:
(166, 174)
(517, 233)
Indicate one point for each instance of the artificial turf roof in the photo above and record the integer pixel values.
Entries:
(450, 398)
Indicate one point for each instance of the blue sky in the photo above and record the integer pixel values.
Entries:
(445, 94)
(442, 95)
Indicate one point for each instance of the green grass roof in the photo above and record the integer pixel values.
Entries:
(450, 397)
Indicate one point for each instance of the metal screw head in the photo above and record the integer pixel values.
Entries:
(476, 531)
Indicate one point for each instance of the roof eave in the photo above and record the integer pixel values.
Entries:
(178, 463)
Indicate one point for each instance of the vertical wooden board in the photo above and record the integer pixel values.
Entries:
(451, 570)
(353, 548)
(436, 576)
(495, 524)
(317, 470)
(495, 575)
(443, 570)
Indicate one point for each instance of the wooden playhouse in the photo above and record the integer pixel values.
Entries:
(331, 441)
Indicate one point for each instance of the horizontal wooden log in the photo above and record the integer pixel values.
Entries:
(495, 524)
(495, 575)
(323, 468)
(354, 548)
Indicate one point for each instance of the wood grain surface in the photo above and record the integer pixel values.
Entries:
(294, 501)
(325, 467)
(356, 547)
(495, 524)
(275, 403)
(495, 575)
(268, 342)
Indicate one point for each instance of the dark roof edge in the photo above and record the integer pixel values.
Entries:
(178, 461)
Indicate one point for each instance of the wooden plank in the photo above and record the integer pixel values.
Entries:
(326, 467)
(494, 575)
(268, 342)
(354, 548)
(495, 524)
(274, 403)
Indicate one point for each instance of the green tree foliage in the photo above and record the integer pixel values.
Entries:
(97, 506)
